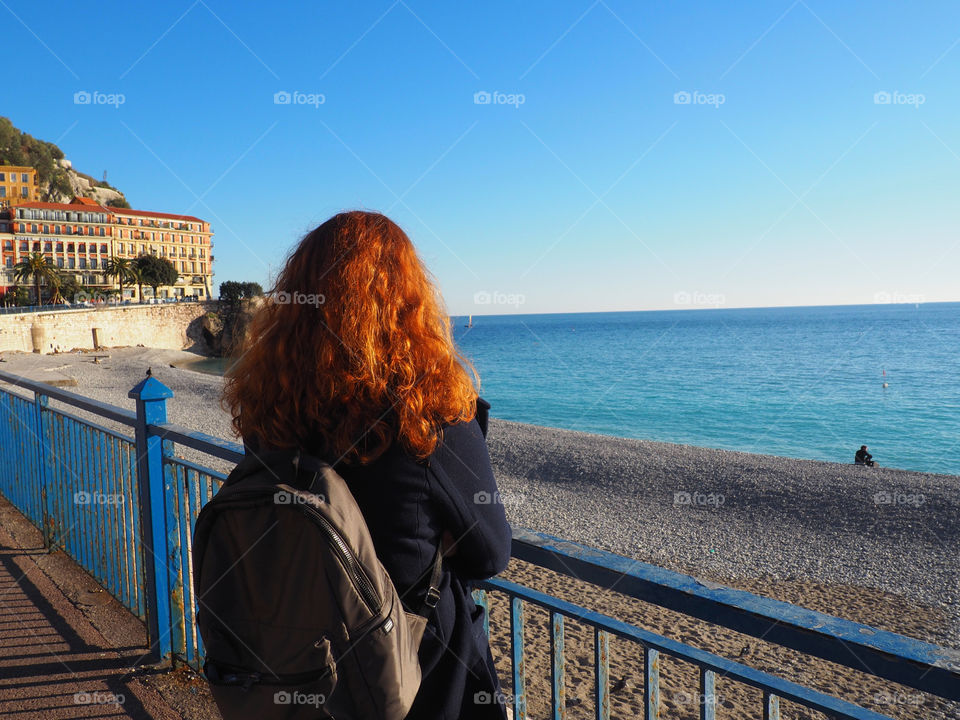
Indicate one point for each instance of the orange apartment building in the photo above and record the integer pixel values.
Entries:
(79, 237)
(17, 185)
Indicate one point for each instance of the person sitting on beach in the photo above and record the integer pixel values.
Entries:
(366, 374)
(863, 457)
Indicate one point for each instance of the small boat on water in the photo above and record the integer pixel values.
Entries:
(469, 321)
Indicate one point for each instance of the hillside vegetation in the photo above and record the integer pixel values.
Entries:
(57, 179)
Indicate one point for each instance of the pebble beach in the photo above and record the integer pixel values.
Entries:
(874, 545)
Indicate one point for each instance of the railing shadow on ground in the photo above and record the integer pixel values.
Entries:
(123, 504)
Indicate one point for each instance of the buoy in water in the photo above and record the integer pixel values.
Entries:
(886, 385)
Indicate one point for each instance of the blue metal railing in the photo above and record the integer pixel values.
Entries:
(124, 508)
(24, 309)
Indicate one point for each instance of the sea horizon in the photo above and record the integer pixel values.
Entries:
(708, 309)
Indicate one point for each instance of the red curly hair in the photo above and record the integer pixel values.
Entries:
(352, 350)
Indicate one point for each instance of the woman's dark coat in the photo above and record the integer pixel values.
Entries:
(408, 505)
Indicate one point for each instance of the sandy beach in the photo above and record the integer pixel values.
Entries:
(875, 545)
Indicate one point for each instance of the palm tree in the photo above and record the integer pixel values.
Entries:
(119, 268)
(137, 277)
(35, 266)
(65, 288)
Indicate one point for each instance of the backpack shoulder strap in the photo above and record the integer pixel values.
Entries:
(433, 592)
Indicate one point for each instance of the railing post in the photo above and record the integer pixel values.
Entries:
(151, 396)
(44, 460)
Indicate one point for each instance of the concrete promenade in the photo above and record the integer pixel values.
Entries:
(69, 650)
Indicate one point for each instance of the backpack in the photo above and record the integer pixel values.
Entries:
(297, 616)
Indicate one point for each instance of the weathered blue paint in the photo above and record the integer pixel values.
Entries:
(173, 507)
(771, 706)
(480, 598)
(728, 668)
(601, 677)
(45, 458)
(558, 689)
(708, 694)
(209, 444)
(151, 396)
(651, 683)
(111, 412)
(519, 664)
(890, 656)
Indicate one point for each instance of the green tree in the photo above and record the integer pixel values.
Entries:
(35, 266)
(119, 268)
(252, 289)
(157, 271)
(232, 292)
(69, 287)
(118, 203)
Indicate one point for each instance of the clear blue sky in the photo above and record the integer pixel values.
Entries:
(598, 192)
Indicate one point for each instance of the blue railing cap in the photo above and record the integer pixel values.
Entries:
(150, 389)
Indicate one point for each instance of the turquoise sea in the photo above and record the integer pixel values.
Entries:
(799, 382)
(804, 382)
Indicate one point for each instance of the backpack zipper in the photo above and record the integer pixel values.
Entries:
(350, 562)
(353, 567)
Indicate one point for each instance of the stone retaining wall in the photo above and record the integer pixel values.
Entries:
(156, 326)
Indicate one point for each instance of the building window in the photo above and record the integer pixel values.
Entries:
(24, 191)
(101, 232)
(59, 262)
(1, 177)
(93, 263)
(83, 247)
(70, 248)
(24, 177)
(24, 246)
(60, 247)
(103, 249)
(3, 190)
(47, 247)
(71, 263)
(83, 263)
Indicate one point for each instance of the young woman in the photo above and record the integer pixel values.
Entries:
(352, 360)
